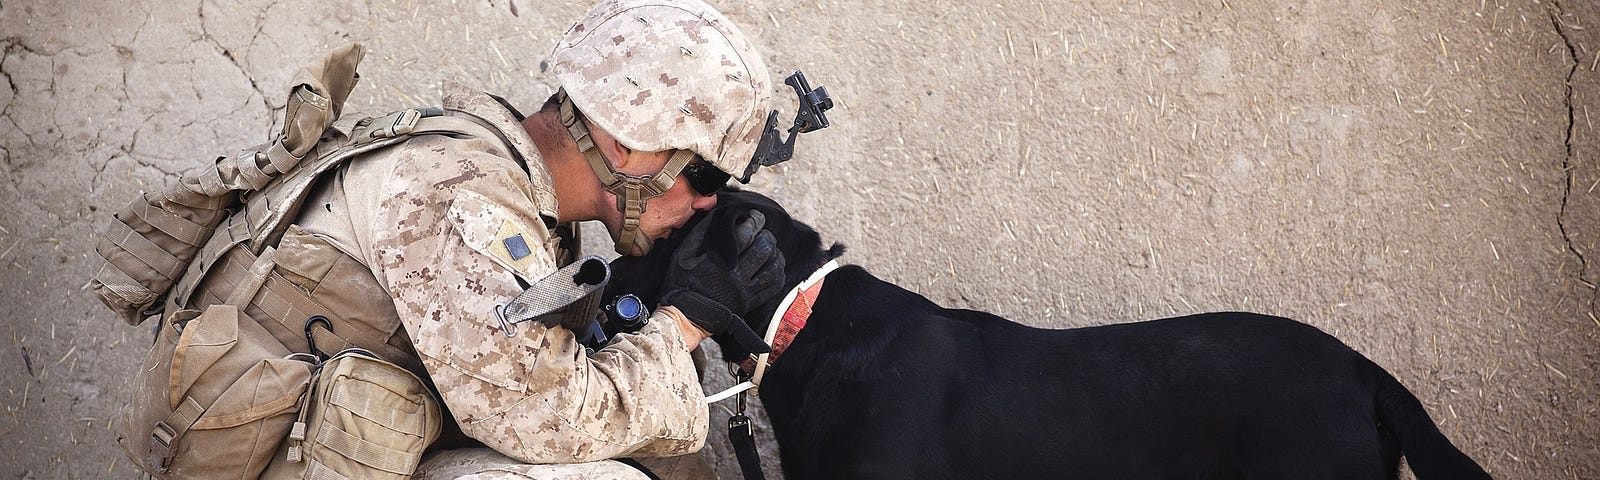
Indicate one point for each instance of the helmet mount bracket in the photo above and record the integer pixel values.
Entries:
(812, 116)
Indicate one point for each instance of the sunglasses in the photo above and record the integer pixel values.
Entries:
(704, 177)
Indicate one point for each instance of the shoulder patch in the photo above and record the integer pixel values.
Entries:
(498, 232)
(517, 246)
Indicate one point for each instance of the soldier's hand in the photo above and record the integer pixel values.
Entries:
(692, 334)
(716, 284)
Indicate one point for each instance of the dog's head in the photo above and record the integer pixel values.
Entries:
(799, 244)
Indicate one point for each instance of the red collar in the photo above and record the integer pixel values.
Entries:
(794, 320)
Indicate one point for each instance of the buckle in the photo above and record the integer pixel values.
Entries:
(395, 124)
(159, 454)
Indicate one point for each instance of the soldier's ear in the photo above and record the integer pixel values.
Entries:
(620, 155)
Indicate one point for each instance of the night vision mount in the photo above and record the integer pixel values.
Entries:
(814, 104)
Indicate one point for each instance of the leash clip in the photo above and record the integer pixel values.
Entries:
(739, 420)
(742, 436)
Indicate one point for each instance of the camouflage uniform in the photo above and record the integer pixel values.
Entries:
(442, 224)
(435, 220)
(407, 252)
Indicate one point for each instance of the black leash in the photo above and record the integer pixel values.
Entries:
(743, 438)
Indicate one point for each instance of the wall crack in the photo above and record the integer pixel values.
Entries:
(1567, 167)
(201, 11)
(5, 56)
(6, 111)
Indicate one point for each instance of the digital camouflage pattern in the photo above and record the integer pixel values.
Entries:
(431, 218)
(486, 464)
(667, 75)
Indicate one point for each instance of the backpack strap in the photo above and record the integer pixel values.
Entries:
(160, 448)
(269, 210)
(233, 231)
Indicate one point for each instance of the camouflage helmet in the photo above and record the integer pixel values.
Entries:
(664, 75)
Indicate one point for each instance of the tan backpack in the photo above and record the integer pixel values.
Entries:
(217, 395)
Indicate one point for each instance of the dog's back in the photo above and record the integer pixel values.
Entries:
(888, 386)
(887, 383)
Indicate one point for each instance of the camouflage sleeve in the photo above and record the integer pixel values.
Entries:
(536, 397)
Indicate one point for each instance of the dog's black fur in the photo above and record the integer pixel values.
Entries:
(883, 383)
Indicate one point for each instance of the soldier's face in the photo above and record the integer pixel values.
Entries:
(665, 213)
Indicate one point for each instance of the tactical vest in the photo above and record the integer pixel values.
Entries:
(244, 323)
(258, 248)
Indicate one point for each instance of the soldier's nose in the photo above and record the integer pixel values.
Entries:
(706, 202)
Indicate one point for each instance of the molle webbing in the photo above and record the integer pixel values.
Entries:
(251, 283)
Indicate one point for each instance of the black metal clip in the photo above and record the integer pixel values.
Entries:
(312, 343)
(814, 104)
(742, 436)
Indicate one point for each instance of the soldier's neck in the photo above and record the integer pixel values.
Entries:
(578, 194)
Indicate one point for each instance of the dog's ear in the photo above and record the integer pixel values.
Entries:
(836, 251)
(721, 238)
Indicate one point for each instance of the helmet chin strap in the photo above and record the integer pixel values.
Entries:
(633, 191)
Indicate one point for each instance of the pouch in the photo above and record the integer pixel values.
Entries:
(214, 398)
(363, 418)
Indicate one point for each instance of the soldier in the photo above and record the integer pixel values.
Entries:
(660, 103)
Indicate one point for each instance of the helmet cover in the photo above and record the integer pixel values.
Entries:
(664, 75)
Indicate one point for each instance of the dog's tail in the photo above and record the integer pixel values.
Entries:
(1429, 453)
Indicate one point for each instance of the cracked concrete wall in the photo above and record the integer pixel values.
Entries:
(1417, 179)
(1581, 205)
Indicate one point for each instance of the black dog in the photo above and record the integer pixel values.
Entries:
(883, 383)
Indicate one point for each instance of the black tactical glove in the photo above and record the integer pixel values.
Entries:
(713, 293)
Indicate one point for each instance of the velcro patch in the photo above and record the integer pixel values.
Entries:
(516, 246)
(519, 259)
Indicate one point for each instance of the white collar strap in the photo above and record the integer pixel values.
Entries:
(772, 330)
